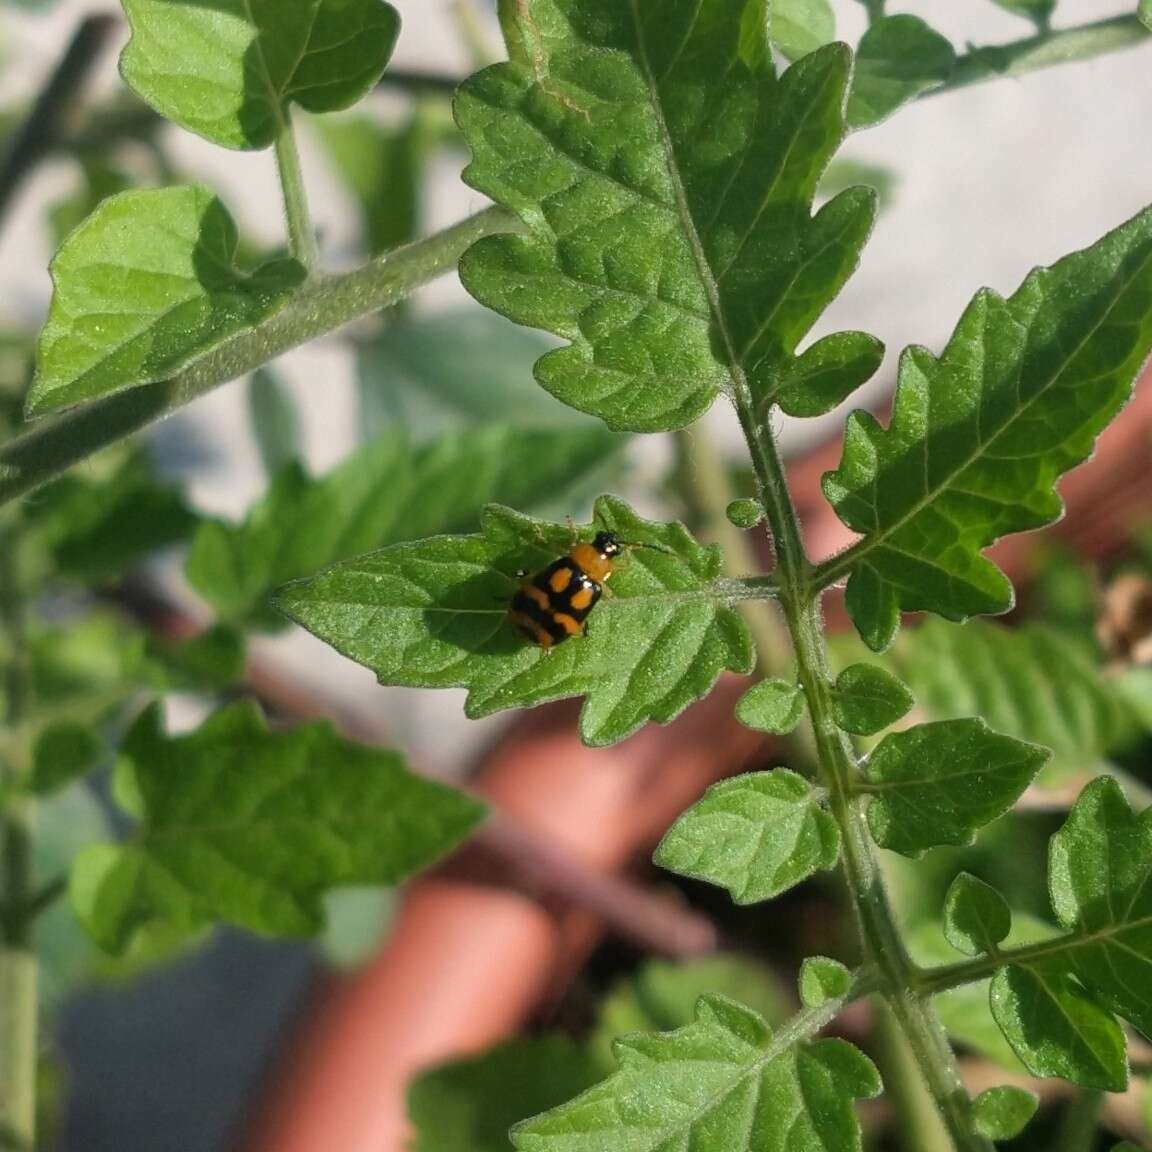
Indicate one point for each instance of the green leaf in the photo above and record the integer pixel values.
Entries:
(1030, 682)
(756, 835)
(1038, 11)
(434, 614)
(898, 58)
(96, 528)
(1002, 1113)
(274, 419)
(724, 1075)
(669, 230)
(867, 699)
(873, 606)
(252, 827)
(744, 514)
(771, 706)
(469, 1105)
(976, 918)
(799, 27)
(1144, 11)
(63, 752)
(229, 71)
(388, 491)
(1057, 1029)
(663, 996)
(828, 372)
(979, 437)
(145, 287)
(940, 783)
(1100, 876)
(822, 979)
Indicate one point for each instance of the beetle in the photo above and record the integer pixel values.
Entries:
(553, 605)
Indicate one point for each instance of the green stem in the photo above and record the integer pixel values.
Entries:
(919, 1127)
(301, 233)
(1081, 1116)
(322, 305)
(1043, 51)
(880, 935)
(18, 973)
(932, 981)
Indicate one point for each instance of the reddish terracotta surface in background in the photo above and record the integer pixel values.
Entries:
(467, 962)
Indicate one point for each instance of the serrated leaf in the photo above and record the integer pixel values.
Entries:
(469, 1105)
(145, 287)
(828, 372)
(898, 58)
(663, 994)
(979, 436)
(389, 490)
(252, 827)
(274, 419)
(867, 699)
(229, 71)
(771, 706)
(669, 229)
(63, 752)
(1003, 1112)
(940, 783)
(976, 918)
(1057, 1029)
(822, 979)
(756, 835)
(434, 614)
(725, 1075)
(1100, 876)
(799, 27)
(1030, 682)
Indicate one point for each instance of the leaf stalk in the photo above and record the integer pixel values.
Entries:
(1044, 50)
(301, 232)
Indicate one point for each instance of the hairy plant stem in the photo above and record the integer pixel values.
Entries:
(301, 232)
(883, 946)
(321, 305)
(1043, 51)
(18, 973)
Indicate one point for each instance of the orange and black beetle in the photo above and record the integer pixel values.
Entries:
(553, 605)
